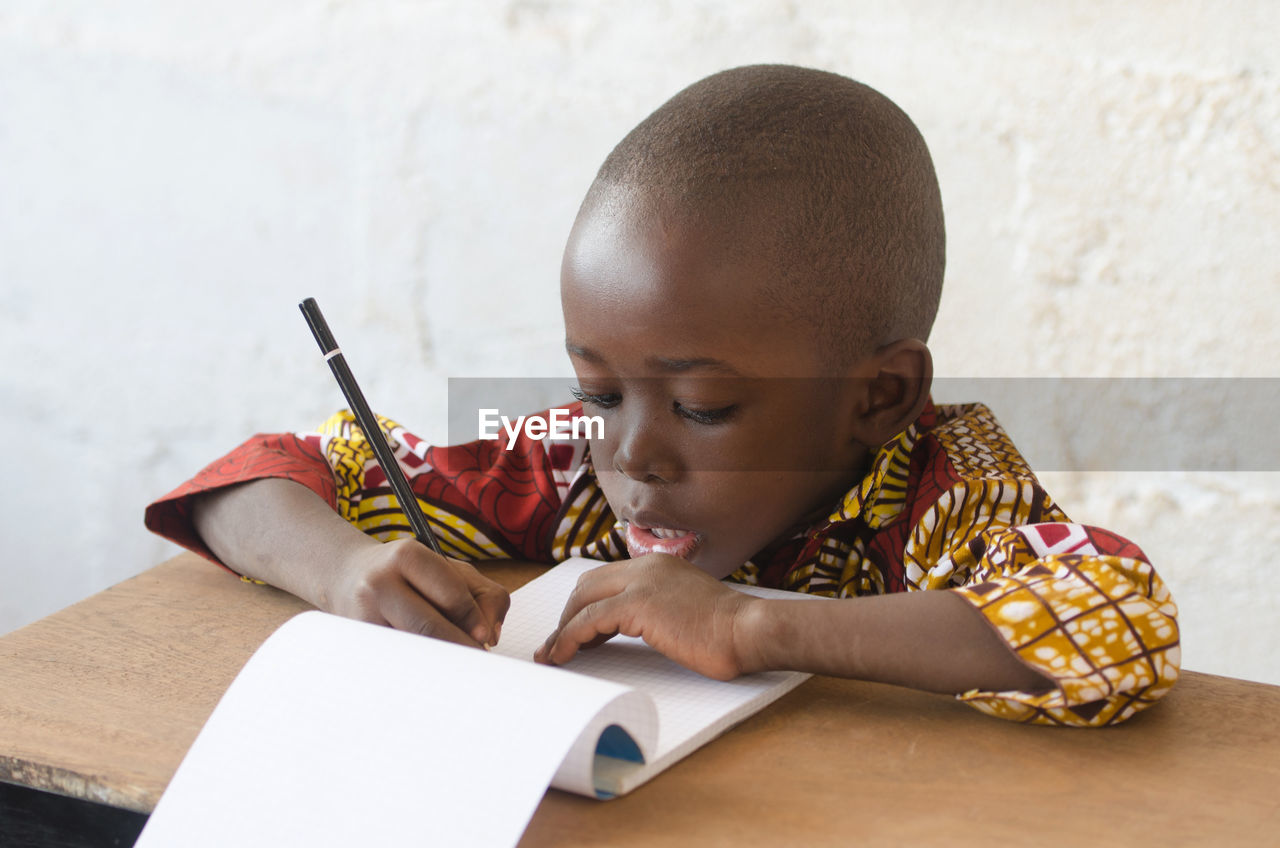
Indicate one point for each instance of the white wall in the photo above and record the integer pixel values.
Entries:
(175, 176)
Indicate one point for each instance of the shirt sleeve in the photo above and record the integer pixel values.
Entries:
(286, 456)
(482, 500)
(1080, 605)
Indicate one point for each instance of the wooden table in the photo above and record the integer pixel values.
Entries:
(101, 700)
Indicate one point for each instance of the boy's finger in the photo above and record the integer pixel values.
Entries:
(600, 621)
(443, 588)
(494, 604)
(492, 598)
(593, 586)
(407, 610)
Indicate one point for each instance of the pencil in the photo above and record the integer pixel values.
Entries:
(368, 423)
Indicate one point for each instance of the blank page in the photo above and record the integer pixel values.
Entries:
(339, 733)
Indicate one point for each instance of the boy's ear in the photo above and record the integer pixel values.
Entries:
(892, 391)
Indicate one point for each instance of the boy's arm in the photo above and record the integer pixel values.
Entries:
(308, 512)
(280, 532)
(1065, 624)
(926, 640)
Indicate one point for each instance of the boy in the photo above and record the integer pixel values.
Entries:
(746, 291)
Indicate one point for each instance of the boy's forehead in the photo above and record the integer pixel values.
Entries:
(680, 285)
(628, 238)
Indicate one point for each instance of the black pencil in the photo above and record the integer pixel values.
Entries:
(368, 423)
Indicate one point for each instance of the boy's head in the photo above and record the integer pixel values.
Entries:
(772, 223)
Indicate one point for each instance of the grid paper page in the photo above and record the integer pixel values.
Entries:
(691, 708)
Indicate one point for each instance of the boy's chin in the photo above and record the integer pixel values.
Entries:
(714, 567)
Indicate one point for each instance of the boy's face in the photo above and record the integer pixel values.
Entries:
(720, 433)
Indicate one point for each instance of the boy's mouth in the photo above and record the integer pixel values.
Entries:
(643, 540)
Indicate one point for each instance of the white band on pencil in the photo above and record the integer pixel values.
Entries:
(337, 351)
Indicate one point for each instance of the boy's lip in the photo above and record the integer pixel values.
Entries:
(647, 533)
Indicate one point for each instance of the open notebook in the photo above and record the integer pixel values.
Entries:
(343, 733)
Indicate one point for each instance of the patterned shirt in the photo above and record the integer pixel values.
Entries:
(947, 505)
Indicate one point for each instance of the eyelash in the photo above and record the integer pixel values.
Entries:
(705, 416)
(608, 401)
(700, 416)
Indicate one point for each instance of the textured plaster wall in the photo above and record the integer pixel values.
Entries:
(174, 176)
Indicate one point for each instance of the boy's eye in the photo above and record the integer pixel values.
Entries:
(704, 416)
(600, 401)
(609, 400)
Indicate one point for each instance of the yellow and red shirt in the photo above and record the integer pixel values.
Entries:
(947, 505)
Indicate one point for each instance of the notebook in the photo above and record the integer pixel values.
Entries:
(338, 732)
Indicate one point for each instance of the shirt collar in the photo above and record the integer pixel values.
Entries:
(882, 494)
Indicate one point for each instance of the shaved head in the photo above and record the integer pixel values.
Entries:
(821, 177)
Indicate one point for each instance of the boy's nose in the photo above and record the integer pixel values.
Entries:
(644, 456)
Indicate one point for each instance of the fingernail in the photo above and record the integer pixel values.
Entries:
(480, 634)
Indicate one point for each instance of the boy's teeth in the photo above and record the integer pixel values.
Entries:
(664, 533)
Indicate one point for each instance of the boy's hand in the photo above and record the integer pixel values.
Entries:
(408, 586)
(681, 611)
